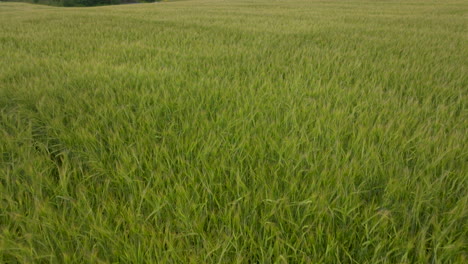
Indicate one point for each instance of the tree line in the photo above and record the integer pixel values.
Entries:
(78, 3)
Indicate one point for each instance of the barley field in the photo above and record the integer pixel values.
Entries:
(205, 131)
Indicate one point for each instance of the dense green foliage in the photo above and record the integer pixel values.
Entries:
(234, 131)
(82, 3)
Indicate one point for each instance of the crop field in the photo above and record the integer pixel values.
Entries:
(206, 131)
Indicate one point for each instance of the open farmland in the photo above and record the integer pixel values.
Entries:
(236, 131)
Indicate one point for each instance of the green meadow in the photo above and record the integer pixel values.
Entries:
(206, 131)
